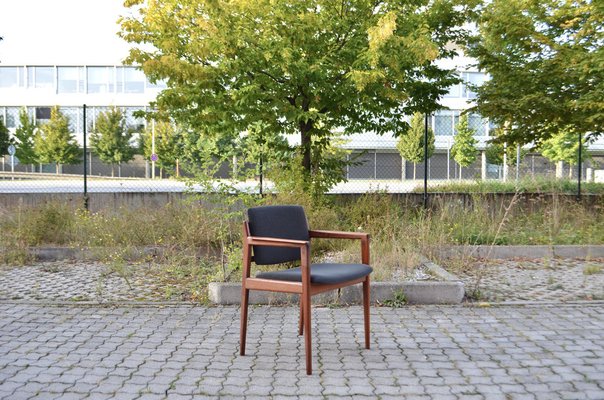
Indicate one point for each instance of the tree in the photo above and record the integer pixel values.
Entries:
(545, 63)
(54, 143)
(4, 139)
(563, 147)
(305, 67)
(111, 140)
(411, 145)
(464, 149)
(24, 139)
(167, 145)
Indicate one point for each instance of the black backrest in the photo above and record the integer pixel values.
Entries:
(282, 222)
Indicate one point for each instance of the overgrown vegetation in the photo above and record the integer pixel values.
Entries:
(198, 240)
(527, 185)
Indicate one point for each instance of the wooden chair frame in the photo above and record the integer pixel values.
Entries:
(305, 289)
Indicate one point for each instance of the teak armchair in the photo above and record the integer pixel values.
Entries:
(279, 234)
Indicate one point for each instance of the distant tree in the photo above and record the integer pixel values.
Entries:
(411, 143)
(496, 149)
(167, 145)
(5, 140)
(54, 143)
(544, 59)
(464, 149)
(111, 140)
(24, 139)
(563, 147)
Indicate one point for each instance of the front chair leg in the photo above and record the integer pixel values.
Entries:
(366, 301)
(307, 333)
(245, 296)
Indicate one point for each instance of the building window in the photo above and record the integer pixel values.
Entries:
(444, 122)
(70, 79)
(12, 117)
(388, 166)
(40, 77)
(472, 80)
(11, 77)
(42, 113)
(101, 79)
(161, 84)
(476, 122)
(131, 80)
(364, 166)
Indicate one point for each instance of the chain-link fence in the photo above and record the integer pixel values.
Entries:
(374, 162)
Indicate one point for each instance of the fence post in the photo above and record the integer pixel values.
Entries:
(84, 160)
(426, 161)
(579, 168)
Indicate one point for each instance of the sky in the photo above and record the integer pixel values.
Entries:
(61, 32)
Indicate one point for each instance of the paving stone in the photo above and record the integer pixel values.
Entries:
(450, 352)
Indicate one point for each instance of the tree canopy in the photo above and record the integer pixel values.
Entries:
(24, 138)
(167, 144)
(4, 138)
(304, 67)
(110, 139)
(464, 149)
(411, 145)
(54, 143)
(545, 60)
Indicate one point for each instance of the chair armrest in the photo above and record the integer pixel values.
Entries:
(267, 241)
(338, 235)
(364, 237)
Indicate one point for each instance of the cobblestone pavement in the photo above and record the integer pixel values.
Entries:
(183, 352)
(536, 280)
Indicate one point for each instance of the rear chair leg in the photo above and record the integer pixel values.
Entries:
(301, 322)
(245, 296)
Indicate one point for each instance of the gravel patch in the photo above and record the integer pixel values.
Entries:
(77, 281)
(535, 279)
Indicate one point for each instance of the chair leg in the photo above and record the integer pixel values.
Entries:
(366, 300)
(307, 333)
(301, 322)
(245, 296)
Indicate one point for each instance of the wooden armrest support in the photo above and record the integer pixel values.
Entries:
(338, 235)
(267, 241)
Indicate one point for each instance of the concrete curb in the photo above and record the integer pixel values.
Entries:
(537, 251)
(447, 290)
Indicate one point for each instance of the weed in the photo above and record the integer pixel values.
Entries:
(399, 300)
(591, 269)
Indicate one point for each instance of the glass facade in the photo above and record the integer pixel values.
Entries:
(41, 77)
(11, 77)
(132, 80)
(465, 89)
(70, 80)
(100, 79)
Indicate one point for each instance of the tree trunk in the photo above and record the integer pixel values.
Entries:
(57, 168)
(559, 169)
(177, 168)
(119, 169)
(460, 172)
(414, 168)
(305, 143)
(112, 170)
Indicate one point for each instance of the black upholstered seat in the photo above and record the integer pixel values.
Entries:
(321, 273)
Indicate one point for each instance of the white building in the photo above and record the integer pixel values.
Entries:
(68, 54)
